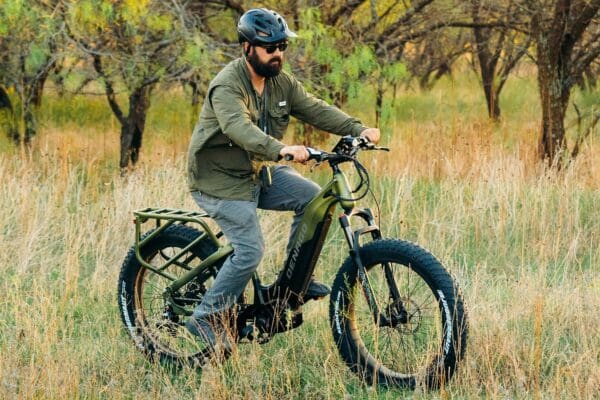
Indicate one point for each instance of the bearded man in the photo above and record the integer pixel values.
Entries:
(232, 168)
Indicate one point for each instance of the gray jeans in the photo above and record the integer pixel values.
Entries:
(239, 222)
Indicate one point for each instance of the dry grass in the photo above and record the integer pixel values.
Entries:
(524, 244)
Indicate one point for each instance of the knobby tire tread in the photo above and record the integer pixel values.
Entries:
(437, 278)
(127, 280)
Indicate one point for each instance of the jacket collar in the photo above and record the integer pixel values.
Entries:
(242, 69)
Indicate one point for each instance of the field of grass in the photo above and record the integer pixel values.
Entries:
(523, 242)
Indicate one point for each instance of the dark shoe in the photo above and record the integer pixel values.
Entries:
(215, 337)
(316, 290)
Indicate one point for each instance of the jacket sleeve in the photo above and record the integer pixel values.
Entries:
(235, 122)
(326, 117)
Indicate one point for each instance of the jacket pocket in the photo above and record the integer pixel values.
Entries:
(230, 160)
(279, 119)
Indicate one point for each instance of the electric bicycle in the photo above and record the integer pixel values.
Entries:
(396, 314)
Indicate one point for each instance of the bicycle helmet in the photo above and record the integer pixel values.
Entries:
(261, 26)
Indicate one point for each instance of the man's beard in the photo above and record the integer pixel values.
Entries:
(268, 69)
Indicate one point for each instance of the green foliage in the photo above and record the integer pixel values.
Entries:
(395, 73)
(138, 41)
(336, 64)
(26, 32)
(588, 98)
(28, 42)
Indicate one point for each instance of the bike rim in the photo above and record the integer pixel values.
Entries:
(407, 349)
(164, 331)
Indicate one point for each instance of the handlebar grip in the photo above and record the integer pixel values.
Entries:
(288, 157)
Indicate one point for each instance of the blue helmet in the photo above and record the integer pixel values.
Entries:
(261, 26)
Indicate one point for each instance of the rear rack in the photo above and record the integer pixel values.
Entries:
(165, 217)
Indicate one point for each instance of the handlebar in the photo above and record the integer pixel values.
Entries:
(345, 150)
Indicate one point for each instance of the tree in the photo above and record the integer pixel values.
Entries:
(7, 116)
(432, 57)
(216, 20)
(564, 33)
(133, 46)
(497, 50)
(342, 48)
(566, 36)
(29, 34)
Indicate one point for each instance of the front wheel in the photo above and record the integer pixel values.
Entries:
(419, 331)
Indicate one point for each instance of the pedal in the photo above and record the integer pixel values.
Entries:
(315, 298)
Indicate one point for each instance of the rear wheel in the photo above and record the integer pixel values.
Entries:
(420, 332)
(156, 328)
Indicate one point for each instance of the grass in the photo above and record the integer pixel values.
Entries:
(523, 242)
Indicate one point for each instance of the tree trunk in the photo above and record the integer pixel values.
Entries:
(30, 125)
(295, 14)
(554, 101)
(487, 64)
(491, 92)
(553, 51)
(37, 90)
(7, 117)
(132, 129)
(379, 101)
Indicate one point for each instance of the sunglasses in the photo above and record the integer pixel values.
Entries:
(270, 48)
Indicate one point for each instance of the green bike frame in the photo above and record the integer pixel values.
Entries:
(308, 241)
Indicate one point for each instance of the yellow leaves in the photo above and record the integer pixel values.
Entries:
(133, 11)
(133, 18)
(12, 13)
(85, 14)
(160, 23)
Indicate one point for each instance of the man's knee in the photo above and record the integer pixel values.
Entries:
(247, 256)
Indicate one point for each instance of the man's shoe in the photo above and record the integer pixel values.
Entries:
(316, 290)
(217, 339)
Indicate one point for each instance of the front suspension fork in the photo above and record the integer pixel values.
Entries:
(353, 242)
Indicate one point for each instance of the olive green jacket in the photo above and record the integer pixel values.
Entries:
(237, 128)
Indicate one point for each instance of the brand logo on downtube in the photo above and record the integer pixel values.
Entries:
(296, 251)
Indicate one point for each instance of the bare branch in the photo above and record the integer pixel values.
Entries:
(590, 54)
(110, 93)
(586, 133)
(402, 40)
(408, 15)
(345, 10)
(585, 18)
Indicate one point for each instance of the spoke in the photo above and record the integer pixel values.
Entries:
(419, 286)
(405, 347)
(398, 344)
(147, 281)
(420, 307)
(389, 342)
(405, 352)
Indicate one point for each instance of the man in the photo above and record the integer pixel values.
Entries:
(245, 114)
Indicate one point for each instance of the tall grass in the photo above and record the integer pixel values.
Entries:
(523, 243)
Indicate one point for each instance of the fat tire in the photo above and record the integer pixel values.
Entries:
(347, 336)
(175, 235)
